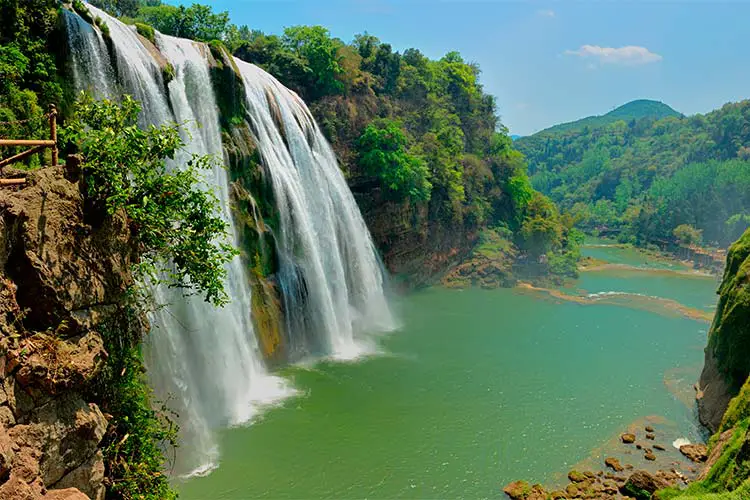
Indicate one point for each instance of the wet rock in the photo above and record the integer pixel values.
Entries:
(650, 436)
(695, 452)
(649, 428)
(576, 477)
(572, 490)
(649, 456)
(521, 490)
(642, 485)
(628, 438)
(517, 490)
(610, 486)
(613, 464)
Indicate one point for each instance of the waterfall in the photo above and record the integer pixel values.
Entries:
(203, 361)
(90, 64)
(330, 273)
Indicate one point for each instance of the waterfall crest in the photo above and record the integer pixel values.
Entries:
(205, 362)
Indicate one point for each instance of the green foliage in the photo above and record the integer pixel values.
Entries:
(138, 434)
(645, 177)
(314, 45)
(541, 231)
(633, 110)
(167, 73)
(28, 72)
(146, 32)
(80, 8)
(730, 337)
(688, 235)
(383, 152)
(197, 22)
(180, 237)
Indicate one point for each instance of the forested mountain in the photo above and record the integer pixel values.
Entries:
(645, 178)
(633, 110)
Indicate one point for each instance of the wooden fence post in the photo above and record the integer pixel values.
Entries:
(53, 133)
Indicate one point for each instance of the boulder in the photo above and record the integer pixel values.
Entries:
(613, 464)
(628, 438)
(572, 490)
(650, 436)
(576, 477)
(649, 456)
(695, 452)
(642, 485)
(518, 490)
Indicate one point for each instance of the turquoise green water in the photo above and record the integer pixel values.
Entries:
(479, 388)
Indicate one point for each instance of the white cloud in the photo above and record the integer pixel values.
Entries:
(630, 55)
(546, 12)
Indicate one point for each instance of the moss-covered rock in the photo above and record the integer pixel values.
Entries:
(725, 374)
(228, 86)
(146, 32)
(727, 362)
(256, 217)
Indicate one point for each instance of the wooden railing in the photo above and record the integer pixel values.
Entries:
(36, 146)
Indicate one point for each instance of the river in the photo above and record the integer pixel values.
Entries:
(482, 387)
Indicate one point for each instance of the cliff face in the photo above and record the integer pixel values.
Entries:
(60, 279)
(727, 362)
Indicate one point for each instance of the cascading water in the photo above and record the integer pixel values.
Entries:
(92, 70)
(204, 361)
(330, 273)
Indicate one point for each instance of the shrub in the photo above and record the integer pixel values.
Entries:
(180, 237)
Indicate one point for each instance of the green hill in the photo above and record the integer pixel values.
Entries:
(634, 110)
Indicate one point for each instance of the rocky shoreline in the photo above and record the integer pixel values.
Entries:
(619, 479)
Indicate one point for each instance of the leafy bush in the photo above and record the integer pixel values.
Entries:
(146, 32)
(382, 152)
(180, 236)
(138, 435)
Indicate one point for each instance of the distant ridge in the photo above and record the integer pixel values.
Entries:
(634, 110)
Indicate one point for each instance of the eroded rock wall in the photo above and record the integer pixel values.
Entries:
(61, 277)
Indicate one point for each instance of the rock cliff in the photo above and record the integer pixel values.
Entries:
(61, 277)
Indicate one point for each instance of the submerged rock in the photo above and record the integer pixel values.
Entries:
(613, 464)
(628, 438)
(649, 428)
(650, 436)
(649, 456)
(659, 447)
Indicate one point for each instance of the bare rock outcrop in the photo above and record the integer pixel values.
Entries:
(61, 277)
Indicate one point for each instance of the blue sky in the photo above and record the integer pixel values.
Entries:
(550, 62)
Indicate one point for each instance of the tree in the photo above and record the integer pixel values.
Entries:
(541, 231)
(315, 45)
(179, 234)
(687, 235)
(382, 152)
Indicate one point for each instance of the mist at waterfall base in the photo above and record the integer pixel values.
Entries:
(202, 361)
